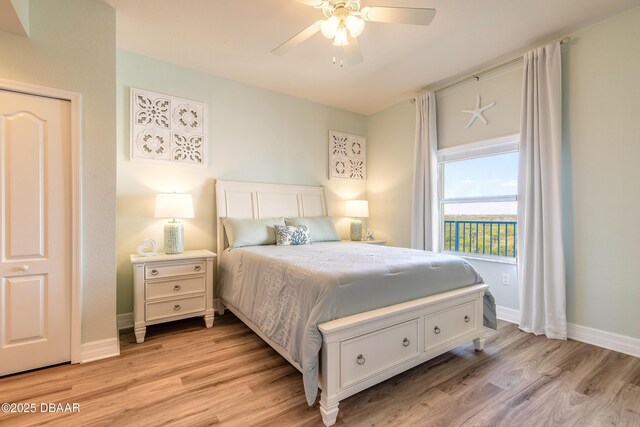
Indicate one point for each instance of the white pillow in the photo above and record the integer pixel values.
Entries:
(251, 232)
(321, 228)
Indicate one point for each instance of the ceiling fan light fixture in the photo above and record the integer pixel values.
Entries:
(344, 21)
(329, 27)
(354, 24)
(341, 38)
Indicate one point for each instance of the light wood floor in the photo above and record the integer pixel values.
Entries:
(184, 374)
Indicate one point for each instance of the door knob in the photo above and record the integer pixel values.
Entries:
(24, 268)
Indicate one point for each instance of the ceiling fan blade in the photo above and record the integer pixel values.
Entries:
(312, 3)
(398, 15)
(297, 39)
(352, 53)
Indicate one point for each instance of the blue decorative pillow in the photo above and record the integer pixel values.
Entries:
(289, 235)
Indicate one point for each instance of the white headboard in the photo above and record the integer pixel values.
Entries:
(259, 200)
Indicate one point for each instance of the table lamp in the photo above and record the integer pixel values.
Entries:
(174, 205)
(356, 209)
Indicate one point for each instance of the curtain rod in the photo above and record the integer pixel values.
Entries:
(477, 74)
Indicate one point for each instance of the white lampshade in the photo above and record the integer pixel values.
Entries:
(354, 24)
(341, 39)
(174, 205)
(329, 27)
(357, 208)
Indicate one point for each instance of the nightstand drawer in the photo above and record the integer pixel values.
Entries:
(159, 271)
(175, 307)
(172, 288)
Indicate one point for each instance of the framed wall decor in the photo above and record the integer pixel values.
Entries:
(167, 129)
(347, 156)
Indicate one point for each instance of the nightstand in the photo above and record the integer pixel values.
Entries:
(172, 287)
(369, 242)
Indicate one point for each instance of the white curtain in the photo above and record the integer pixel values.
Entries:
(541, 269)
(424, 215)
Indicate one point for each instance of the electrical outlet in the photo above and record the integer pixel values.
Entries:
(506, 279)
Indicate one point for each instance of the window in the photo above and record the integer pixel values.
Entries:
(478, 187)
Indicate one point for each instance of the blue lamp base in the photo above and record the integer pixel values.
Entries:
(174, 237)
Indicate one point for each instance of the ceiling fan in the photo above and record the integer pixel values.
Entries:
(345, 20)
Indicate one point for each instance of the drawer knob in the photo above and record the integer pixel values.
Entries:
(360, 359)
(176, 307)
(436, 330)
(467, 318)
(177, 287)
(406, 342)
(197, 268)
(154, 272)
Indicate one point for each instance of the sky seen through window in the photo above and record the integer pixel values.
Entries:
(495, 175)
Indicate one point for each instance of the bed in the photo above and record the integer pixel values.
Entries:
(347, 315)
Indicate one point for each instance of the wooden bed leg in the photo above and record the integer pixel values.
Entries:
(478, 343)
(329, 412)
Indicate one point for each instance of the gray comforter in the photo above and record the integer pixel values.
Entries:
(288, 290)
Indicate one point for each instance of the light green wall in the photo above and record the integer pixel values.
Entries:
(601, 88)
(22, 10)
(390, 172)
(502, 86)
(72, 47)
(601, 148)
(254, 135)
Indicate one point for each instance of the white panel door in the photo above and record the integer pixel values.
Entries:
(35, 232)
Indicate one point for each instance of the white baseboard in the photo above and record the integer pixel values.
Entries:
(617, 342)
(125, 320)
(97, 350)
(508, 314)
(597, 337)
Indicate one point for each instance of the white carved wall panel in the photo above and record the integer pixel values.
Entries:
(167, 129)
(347, 156)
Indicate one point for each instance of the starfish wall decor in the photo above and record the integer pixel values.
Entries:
(477, 113)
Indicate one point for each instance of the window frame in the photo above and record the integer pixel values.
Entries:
(490, 147)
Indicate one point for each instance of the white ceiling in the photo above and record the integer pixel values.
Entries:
(233, 38)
